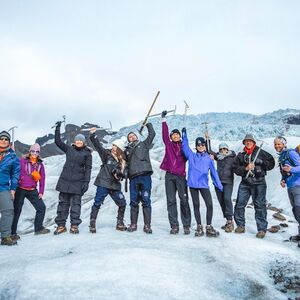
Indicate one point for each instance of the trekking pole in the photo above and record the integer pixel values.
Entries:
(149, 112)
(207, 139)
(256, 155)
(185, 111)
(13, 136)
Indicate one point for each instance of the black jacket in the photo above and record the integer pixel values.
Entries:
(137, 155)
(105, 177)
(77, 168)
(242, 160)
(225, 166)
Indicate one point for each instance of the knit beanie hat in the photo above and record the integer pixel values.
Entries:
(175, 131)
(79, 137)
(200, 140)
(35, 147)
(223, 145)
(5, 134)
(119, 143)
(131, 132)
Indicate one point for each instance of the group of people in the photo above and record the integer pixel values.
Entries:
(25, 178)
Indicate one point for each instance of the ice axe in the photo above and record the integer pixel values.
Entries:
(148, 114)
(169, 111)
(255, 158)
(207, 139)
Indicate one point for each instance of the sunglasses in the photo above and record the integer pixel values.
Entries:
(223, 149)
(4, 139)
(35, 151)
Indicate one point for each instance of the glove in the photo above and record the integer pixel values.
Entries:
(84, 188)
(259, 162)
(58, 124)
(164, 113)
(183, 130)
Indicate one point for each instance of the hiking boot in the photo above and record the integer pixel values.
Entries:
(92, 229)
(42, 231)
(261, 234)
(8, 241)
(211, 232)
(59, 230)
(174, 230)
(121, 226)
(199, 231)
(229, 226)
(186, 230)
(224, 226)
(240, 229)
(295, 238)
(74, 229)
(15, 237)
(132, 228)
(147, 229)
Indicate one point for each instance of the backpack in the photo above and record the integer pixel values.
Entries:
(287, 155)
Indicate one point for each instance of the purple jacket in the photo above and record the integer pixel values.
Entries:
(26, 181)
(200, 164)
(174, 160)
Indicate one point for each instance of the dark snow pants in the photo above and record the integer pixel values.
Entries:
(103, 192)
(68, 202)
(7, 213)
(173, 184)
(294, 196)
(38, 204)
(225, 201)
(206, 195)
(258, 193)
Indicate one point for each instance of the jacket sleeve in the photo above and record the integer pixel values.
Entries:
(15, 174)
(239, 166)
(88, 168)
(165, 133)
(185, 147)
(151, 134)
(214, 175)
(42, 180)
(269, 161)
(294, 156)
(98, 146)
(59, 143)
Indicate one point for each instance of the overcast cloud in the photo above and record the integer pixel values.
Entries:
(96, 61)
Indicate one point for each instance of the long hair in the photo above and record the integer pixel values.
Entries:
(120, 157)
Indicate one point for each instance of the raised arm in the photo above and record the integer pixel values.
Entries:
(59, 143)
(187, 151)
(151, 134)
(98, 146)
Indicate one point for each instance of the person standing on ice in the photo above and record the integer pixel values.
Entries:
(253, 184)
(225, 159)
(73, 181)
(9, 176)
(32, 174)
(139, 173)
(200, 165)
(289, 163)
(112, 171)
(174, 164)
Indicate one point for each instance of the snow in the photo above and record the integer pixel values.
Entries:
(121, 265)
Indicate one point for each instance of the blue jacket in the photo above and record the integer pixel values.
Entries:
(199, 166)
(9, 171)
(290, 157)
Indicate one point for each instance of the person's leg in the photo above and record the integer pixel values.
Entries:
(134, 202)
(206, 195)
(170, 186)
(220, 197)
(120, 201)
(260, 206)
(185, 211)
(196, 204)
(63, 209)
(18, 204)
(39, 207)
(244, 193)
(75, 210)
(146, 185)
(294, 196)
(7, 214)
(227, 192)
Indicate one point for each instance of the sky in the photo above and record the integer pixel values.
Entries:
(98, 61)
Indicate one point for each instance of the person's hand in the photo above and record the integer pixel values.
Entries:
(58, 124)
(183, 130)
(211, 156)
(93, 130)
(282, 183)
(40, 196)
(259, 162)
(13, 194)
(287, 168)
(164, 113)
(84, 188)
(250, 167)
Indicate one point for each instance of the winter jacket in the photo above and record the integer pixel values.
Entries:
(9, 171)
(200, 164)
(265, 163)
(26, 181)
(225, 166)
(137, 155)
(174, 159)
(77, 168)
(105, 177)
(290, 157)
